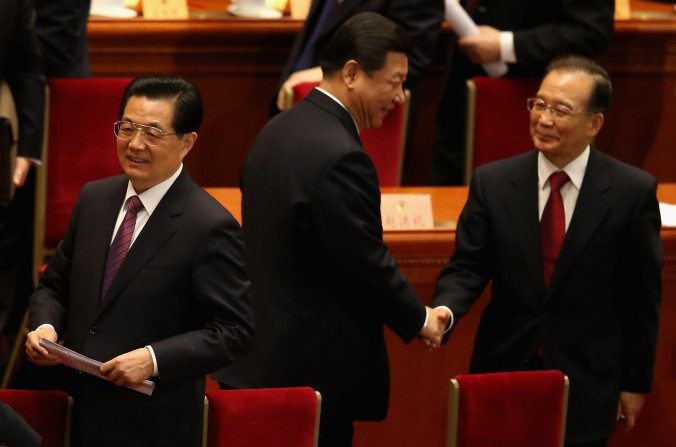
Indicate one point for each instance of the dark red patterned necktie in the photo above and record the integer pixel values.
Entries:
(553, 225)
(120, 246)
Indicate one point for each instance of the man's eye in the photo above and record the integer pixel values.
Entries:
(153, 132)
(562, 111)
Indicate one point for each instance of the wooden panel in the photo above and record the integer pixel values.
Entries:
(419, 379)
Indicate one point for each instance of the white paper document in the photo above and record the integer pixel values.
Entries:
(668, 214)
(464, 26)
(82, 363)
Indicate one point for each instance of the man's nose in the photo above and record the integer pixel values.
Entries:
(137, 139)
(400, 97)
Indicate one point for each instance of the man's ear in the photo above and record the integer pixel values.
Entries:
(351, 71)
(188, 142)
(595, 124)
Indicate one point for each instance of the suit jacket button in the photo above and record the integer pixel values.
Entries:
(93, 330)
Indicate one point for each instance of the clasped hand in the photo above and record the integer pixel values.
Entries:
(433, 331)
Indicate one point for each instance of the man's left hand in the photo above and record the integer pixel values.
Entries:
(483, 47)
(21, 167)
(130, 368)
(628, 409)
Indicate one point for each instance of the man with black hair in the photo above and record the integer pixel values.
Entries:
(323, 282)
(149, 279)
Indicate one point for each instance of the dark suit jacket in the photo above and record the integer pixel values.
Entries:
(542, 31)
(598, 320)
(181, 289)
(21, 66)
(323, 281)
(62, 29)
(421, 18)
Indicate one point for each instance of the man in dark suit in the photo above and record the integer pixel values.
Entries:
(21, 68)
(323, 281)
(420, 18)
(570, 239)
(526, 34)
(173, 307)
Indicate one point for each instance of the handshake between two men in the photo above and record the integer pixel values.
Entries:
(438, 321)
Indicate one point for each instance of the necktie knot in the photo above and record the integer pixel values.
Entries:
(557, 180)
(134, 205)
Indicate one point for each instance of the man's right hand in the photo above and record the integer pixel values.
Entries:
(36, 353)
(437, 322)
(313, 74)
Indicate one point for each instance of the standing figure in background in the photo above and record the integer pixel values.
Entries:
(21, 68)
(62, 29)
(569, 239)
(323, 282)
(526, 34)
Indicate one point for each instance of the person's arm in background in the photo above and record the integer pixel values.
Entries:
(586, 27)
(23, 70)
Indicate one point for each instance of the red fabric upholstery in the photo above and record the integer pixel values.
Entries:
(280, 417)
(385, 144)
(81, 143)
(513, 409)
(45, 411)
(501, 127)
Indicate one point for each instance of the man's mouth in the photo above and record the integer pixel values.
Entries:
(136, 159)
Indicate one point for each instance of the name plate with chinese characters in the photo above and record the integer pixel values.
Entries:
(406, 212)
(165, 9)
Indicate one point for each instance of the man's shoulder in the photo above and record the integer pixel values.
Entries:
(104, 185)
(624, 173)
(203, 207)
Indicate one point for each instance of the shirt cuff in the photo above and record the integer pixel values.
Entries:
(507, 53)
(152, 354)
(45, 325)
(450, 320)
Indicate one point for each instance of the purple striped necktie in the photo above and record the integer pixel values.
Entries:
(120, 246)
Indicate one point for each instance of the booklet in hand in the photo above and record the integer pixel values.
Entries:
(82, 363)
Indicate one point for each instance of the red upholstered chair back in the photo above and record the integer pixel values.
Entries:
(280, 417)
(497, 119)
(80, 145)
(512, 409)
(48, 412)
(385, 145)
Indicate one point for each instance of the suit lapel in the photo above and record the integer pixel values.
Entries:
(161, 226)
(522, 204)
(590, 211)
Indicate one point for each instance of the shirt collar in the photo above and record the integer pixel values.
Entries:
(151, 197)
(341, 104)
(575, 169)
